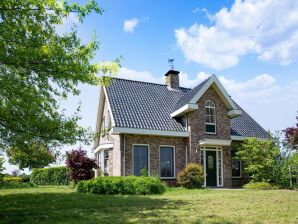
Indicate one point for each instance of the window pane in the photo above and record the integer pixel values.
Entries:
(219, 167)
(140, 158)
(236, 168)
(210, 128)
(106, 162)
(166, 161)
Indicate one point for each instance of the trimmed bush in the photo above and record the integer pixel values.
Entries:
(14, 182)
(122, 185)
(50, 176)
(192, 176)
(260, 186)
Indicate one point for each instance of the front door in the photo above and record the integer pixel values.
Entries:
(211, 169)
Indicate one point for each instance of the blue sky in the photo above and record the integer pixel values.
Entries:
(252, 46)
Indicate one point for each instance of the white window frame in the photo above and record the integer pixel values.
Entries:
(217, 149)
(132, 153)
(174, 161)
(208, 123)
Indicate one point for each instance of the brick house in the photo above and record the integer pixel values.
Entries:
(162, 127)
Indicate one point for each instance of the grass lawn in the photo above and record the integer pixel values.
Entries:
(63, 205)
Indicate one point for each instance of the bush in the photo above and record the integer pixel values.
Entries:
(192, 176)
(79, 165)
(122, 185)
(50, 176)
(14, 182)
(260, 186)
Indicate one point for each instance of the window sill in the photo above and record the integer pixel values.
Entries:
(167, 178)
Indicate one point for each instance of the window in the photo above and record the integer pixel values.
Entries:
(236, 165)
(167, 168)
(106, 162)
(210, 117)
(219, 164)
(140, 159)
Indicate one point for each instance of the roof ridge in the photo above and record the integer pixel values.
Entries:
(131, 80)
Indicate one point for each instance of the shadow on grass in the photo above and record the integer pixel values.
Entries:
(84, 208)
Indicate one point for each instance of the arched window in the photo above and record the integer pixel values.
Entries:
(210, 120)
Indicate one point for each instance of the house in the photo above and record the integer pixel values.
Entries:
(162, 127)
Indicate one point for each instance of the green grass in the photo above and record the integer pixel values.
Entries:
(63, 205)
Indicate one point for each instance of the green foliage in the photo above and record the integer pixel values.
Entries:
(31, 156)
(122, 185)
(192, 176)
(1, 163)
(260, 186)
(39, 67)
(260, 158)
(50, 176)
(14, 182)
(144, 172)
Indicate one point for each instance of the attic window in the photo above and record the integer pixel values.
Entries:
(210, 119)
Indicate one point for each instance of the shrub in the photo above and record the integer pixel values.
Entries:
(192, 176)
(14, 182)
(260, 186)
(122, 185)
(79, 165)
(50, 176)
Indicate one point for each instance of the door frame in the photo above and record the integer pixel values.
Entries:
(218, 150)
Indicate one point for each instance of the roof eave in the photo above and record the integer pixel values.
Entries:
(185, 109)
(140, 131)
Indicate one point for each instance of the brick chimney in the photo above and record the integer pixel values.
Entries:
(172, 79)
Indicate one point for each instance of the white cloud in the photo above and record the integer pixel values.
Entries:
(274, 106)
(268, 29)
(130, 24)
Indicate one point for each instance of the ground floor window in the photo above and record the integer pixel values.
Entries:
(167, 162)
(236, 165)
(106, 162)
(140, 159)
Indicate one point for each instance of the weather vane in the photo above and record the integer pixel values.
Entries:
(171, 63)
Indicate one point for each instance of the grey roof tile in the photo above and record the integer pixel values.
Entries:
(144, 105)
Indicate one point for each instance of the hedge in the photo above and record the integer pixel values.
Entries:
(14, 182)
(50, 176)
(122, 185)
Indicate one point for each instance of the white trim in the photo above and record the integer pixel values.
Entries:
(139, 131)
(174, 161)
(132, 165)
(103, 146)
(241, 138)
(186, 108)
(100, 108)
(109, 106)
(215, 142)
(234, 113)
(216, 149)
(213, 79)
(208, 123)
(225, 96)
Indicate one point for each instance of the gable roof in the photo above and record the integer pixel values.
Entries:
(148, 106)
(191, 98)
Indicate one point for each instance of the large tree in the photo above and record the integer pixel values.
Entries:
(31, 156)
(40, 67)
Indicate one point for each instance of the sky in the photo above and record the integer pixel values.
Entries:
(252, 46)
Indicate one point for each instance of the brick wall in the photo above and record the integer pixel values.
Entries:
(196, 123)
(154, 142)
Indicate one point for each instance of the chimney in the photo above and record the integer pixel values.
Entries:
(172, 79)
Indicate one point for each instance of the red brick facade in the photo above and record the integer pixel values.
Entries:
(121, 156)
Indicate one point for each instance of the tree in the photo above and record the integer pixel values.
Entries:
(291, 136)
(31, 156)
(79, 165)
(39, 68)
(260, 158)
(1, 164)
